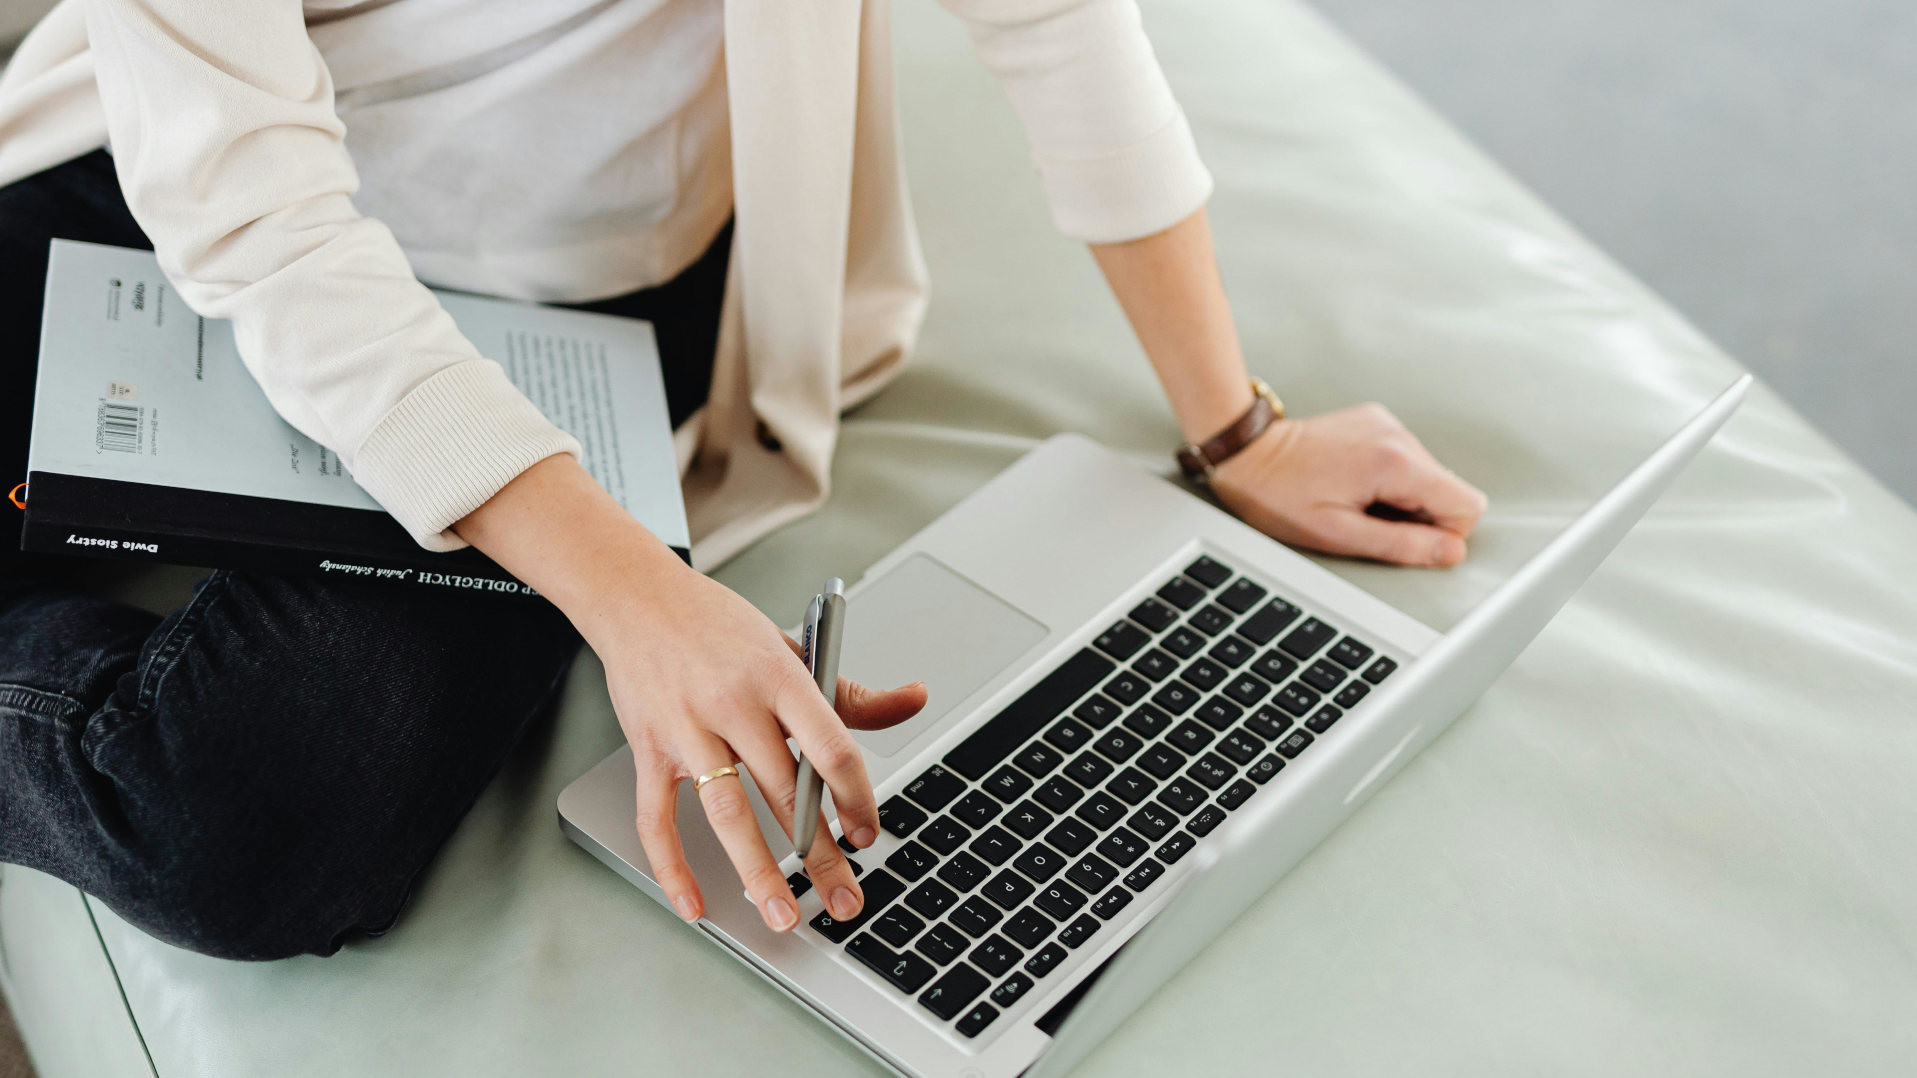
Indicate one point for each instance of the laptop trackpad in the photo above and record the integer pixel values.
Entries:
(923, 622)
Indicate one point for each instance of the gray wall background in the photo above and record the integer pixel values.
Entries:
(1753, 161)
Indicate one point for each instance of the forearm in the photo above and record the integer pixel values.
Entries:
(1169, 287)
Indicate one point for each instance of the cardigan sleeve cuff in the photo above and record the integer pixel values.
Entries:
(1131, 193)
(449, 445)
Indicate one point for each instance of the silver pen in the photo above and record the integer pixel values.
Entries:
(824, 627)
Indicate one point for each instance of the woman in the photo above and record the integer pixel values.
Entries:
(264, 772)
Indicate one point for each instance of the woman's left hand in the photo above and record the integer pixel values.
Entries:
(1315, 483)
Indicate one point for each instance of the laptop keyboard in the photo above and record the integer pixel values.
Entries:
(1038, 829)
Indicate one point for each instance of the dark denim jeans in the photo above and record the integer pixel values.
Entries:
(265, 771)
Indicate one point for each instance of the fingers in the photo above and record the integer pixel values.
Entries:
(862, 708)
(1348, 531)
(1420, 484)
(659, 835)
(824, 740)
(776, 774)
(730, 812)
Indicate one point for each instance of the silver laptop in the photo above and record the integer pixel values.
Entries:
(1143, 713)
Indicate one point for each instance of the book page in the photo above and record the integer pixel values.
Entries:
(134, 386)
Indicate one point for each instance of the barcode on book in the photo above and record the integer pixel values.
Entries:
(120, 426)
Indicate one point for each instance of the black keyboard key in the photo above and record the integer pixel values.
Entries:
(1079, 932)
(854, 866)
(1175, 847)
(1270, 619)
(1147, 721)
(1060, 899)
(1131, 786)
(995, 955)
(1121, 847)
(1323, 675)
(1352, 693)
(975, 809)
(1127, 688)
(1029, 928)
(799, 884)
(1152, 821)
(975, 917)
(1096, 711)
(1236, 794)
(1111, 902)
(1155, 665)
(1154, 615)
(880, 889)
(897, 926)
(1070, 836)
(1058, 793)
(1210, 620)
(1007, 784)
(1241, 596)
(1240, 747)
(945, 834)
(1212, 769)
(1091, 872)
(1183, 643)
(1350, 652)
(1175, 697)
(911, 861)
(1323, 718)
(1122, 640)
(1040, 862)
(1037, 759)
(1028, 820)
(928, 899)
(1219, 713)
(1068, 736)
(1206, 821)
(1204, 674)
(1181, 796)
(1012, 990)
(1181, 593)
(1011, 728)
(1304, 641)
(1088, 769)
(906, 972)
(976, 1020)
(1143, 876)
(942, 944)
(1208, 572)
(901, 817)
(1294, 743)
(1262, 771)
(1190, 736)
(935, 789)
(1297, 699)
(1268, 723)
(1102, 810)
(1161, 761)
(1117, 745)
(1248, 689)
(1008, 889)
(1046, 960)
(995, 844)
(951, 993)
(963, 872)
(1380, 670)
(1231, 652)
(1273, 667)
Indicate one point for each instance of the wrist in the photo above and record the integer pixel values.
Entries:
(1207, 405)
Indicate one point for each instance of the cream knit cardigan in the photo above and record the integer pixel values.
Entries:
(205, 109)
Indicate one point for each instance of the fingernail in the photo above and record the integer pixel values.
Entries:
(781, 914)
(864, 837)
(684, 905)
(845, 904)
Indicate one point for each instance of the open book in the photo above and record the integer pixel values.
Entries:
(151, 440)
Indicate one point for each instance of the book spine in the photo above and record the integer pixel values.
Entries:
(89, 540)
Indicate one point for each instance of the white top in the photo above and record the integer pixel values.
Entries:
(559, 149)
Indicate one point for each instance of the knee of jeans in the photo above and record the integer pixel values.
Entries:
(232, 913)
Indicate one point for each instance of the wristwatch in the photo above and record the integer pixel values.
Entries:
(1199, 461)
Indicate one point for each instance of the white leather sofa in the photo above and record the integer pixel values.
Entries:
(1676, 838)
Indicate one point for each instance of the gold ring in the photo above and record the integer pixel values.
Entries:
(716, 773)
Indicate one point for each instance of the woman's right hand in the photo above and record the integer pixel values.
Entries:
(699, 679)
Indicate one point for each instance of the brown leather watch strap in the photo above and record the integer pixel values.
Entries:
(1198, 461)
